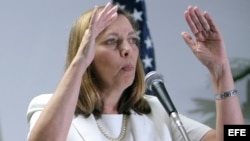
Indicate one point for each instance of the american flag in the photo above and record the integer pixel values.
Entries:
(138, 9)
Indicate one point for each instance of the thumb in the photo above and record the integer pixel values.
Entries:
(188, 39)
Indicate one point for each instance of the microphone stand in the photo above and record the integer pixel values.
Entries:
(162, 94)
(155, 83)
(178, 122)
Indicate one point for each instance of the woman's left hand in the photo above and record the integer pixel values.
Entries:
(208, 45)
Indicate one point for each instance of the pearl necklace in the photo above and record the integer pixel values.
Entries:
(122, 133)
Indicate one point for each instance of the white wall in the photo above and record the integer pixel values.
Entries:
(34, 35)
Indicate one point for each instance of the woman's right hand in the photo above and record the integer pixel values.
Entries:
(99, 21)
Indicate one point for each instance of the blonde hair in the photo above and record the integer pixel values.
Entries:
(89, 100)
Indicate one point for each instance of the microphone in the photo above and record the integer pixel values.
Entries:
(154, 82)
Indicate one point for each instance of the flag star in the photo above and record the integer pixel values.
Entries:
(148, 42)
(147, 62)
(138, 32)
(137, 15)
(121, 6)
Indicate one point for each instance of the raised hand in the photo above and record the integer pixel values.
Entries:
(99, 21)
(208, 45)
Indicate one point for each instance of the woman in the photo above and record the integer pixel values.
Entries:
(101, 94)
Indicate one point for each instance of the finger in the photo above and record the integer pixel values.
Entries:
(202, 20)
(107, 11)
(190, 22)
(195, 19)
(93, 18)
(107, 7)
(107, 16)
(113, 10)
(101, 20)
(211, 23)
(198, 34)
(188, 39)
(112, 14)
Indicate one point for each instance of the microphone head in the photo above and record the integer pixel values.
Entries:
(151, 77)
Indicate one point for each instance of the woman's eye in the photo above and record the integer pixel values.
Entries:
(134, 41)
(111, 42)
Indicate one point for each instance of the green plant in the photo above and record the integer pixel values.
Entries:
(240, 68)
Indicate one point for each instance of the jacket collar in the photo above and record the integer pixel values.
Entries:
(87, 128)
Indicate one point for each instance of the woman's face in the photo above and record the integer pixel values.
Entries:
(116, 55)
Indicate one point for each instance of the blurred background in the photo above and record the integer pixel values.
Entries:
(33, 45)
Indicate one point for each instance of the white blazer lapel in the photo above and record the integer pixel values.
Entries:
(87, 128)
(144, 129)
(138, 126)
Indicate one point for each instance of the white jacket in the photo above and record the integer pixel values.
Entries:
(156, 126)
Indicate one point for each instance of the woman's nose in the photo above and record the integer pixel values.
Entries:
(125, 49)
(125, 53)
